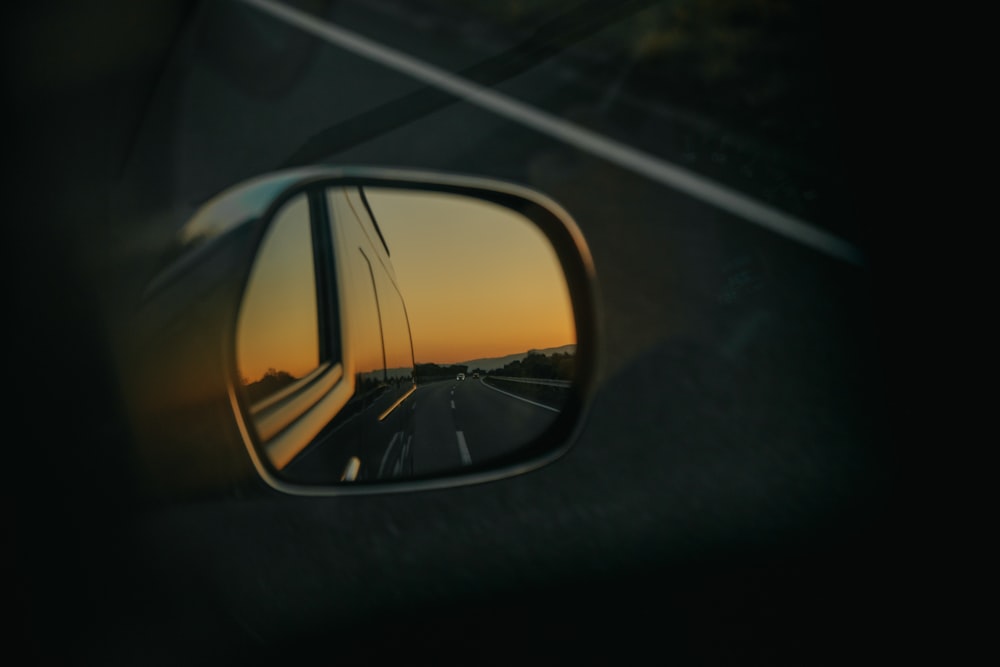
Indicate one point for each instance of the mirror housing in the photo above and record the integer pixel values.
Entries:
(218, 330)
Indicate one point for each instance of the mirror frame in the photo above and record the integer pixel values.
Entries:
(250, 208)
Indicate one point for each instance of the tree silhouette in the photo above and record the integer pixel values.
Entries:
(270, 383)
(556, 366)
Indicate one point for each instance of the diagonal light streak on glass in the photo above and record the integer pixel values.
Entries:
(621, 154)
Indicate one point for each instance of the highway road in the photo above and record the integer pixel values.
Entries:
(441, 427)
(460, 423)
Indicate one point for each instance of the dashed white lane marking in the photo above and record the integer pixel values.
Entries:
(453, 405)
(619, 153)
(351, 470)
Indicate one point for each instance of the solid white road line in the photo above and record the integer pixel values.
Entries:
(520, 398)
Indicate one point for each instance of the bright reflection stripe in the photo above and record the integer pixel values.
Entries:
(396, 404)
(621, 154)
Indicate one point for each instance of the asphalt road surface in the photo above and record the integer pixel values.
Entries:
(441, 428)
(457, 423)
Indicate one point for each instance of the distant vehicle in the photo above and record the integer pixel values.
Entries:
(475, 376)
(461, 376)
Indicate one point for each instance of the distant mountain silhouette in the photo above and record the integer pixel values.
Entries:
(494, 363)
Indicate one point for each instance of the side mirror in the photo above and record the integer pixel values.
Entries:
(387, 330)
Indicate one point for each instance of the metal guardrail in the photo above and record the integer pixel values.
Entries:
(550, 383)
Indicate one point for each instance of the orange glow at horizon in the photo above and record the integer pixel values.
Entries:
(278, 326)
(478, 279)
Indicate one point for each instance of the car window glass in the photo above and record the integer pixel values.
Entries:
(278, 328)
(395, 331)
(366, 329)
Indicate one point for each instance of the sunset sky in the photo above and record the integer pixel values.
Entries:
(478, 279)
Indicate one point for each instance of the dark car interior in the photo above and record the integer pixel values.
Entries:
(733, 507)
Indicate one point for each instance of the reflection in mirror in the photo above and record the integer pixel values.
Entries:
(401, 334)
(279, 335)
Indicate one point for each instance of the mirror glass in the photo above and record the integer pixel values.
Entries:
(393, 334)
